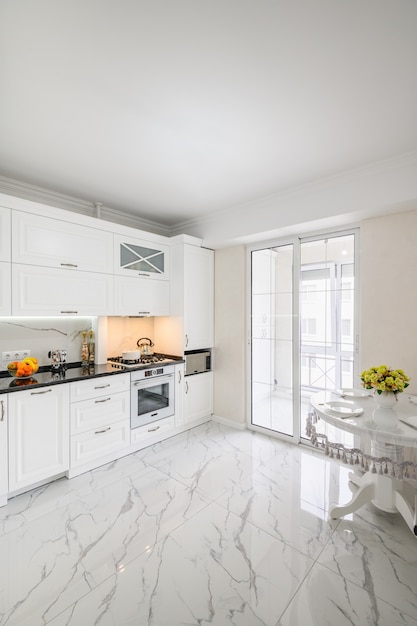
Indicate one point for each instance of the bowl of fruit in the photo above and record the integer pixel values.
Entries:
(23, 369)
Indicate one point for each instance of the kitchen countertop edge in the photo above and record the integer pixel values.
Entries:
(73, 373)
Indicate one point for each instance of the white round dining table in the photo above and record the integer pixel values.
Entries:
(384, 457)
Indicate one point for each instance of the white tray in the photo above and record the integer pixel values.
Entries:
(354, 393)
(343, 408)
(410, 421)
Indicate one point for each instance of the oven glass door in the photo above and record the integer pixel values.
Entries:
(152, 400)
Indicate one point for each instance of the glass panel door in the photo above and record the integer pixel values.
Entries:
(303, 330)
(272, 339)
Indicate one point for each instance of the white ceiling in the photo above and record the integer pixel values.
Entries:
(174, 109)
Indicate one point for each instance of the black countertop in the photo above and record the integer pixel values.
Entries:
(44, 377)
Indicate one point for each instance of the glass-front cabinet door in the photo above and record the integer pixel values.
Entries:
(146, 259)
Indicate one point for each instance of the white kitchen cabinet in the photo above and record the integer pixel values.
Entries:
(99, 386)
(39, 240)
(179, 394)
(95, 413)
(50, 291)
(198, 297)
(100, 421)
(5, 234)
(192, 294)
(5, 288)
(4, 469)
(198, 396)
(152, 433)
(38, 435)
(143, 258)
(141, 296)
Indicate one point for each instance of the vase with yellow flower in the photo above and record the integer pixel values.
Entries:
(386, 383)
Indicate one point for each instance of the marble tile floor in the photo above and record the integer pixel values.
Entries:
(214, 526)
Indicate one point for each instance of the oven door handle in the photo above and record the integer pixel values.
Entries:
(151, 382)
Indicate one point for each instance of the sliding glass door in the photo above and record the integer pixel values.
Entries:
(303, 331)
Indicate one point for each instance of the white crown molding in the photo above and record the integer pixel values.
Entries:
(346, 196)
(34, 193)
(382, 167)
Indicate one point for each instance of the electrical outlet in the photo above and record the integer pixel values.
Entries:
(15, 355)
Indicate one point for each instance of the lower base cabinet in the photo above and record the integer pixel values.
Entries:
(92, 446)
(198, 396)
(145, 435)
(100, 420)
(4, 470)
(38, 435)
(69, 429)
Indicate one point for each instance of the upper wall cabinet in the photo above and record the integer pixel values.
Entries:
(140, 297)
(5, 288)
(136, 257)
(38, 240)
(5, 247)
(198, 297)
(192, 294)
(51, 291)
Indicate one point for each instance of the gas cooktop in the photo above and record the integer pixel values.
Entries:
(119, 363)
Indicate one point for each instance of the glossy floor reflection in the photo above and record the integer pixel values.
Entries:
(214, 526)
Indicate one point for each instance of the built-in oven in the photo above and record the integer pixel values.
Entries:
(152, 395)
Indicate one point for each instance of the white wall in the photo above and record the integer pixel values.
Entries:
(389, 293)
(230, 334)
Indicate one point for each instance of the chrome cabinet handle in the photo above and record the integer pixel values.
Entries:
(69, 265)
(105, 400)
(99, 432)
(179, 376)
(71, 312)
(102, 386)
(143, 274)
(151, 430)
(186, 386)
(2, 411)
(186, 341)
(35, 393)
(144, 312)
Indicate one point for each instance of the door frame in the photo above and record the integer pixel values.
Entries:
(296, 241)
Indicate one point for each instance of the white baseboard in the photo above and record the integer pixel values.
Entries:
(227, 422)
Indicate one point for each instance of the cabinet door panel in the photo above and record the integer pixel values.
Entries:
(38, 435)
(93, 445)
(136, 257)
(5, 234)
(100, 386)
(199, 297)
(92, 414)
(4, 483)
(50, 291)
(5, 288)
(48, 242)
(141, 296)
(152, 432)
(198, 397)
(179, 394)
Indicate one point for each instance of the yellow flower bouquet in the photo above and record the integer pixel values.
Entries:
(383, 378)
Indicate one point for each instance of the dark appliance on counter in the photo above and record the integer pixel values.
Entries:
(152, 395)
(197, 362)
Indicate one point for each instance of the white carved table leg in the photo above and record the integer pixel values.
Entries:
(386, 493)
(358, 479)
(363, 495)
